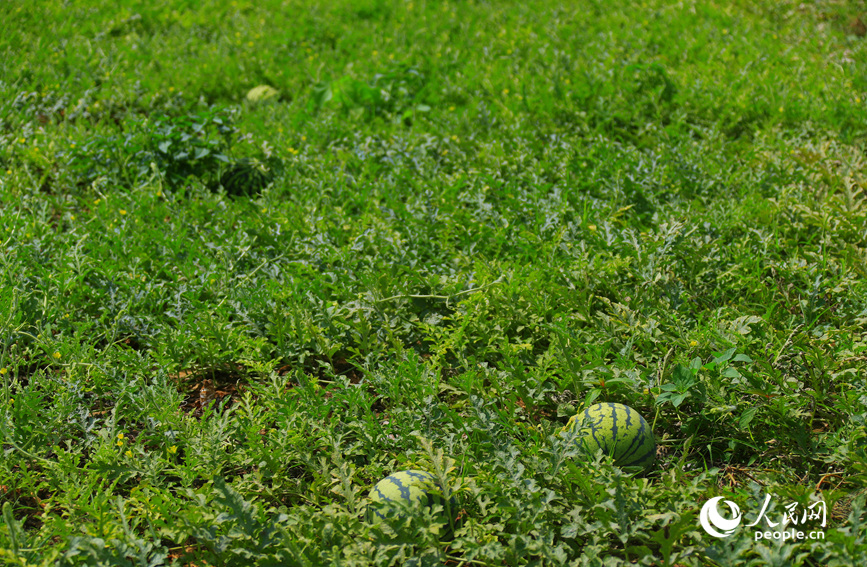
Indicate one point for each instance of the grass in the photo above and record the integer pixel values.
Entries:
(456, 225)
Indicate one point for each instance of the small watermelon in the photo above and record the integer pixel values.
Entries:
(619, 431)
(247, 176)
(416, 487)
(262, 93)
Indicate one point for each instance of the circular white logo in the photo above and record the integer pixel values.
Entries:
(711, 520)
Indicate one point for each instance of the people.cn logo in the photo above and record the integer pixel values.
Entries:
(713, 523)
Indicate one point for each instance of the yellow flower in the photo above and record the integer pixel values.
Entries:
(128, 454)
(693, 343)
(122, 211)
(2, 371)
(56, 355)
(120, 435)
(173, 449)
(120, 443)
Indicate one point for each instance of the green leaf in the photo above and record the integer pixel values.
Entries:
(683, 377)
(725, 356)
(731, 373)
(12, 526)
(747, 417)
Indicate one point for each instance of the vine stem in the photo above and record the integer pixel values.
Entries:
(446, 297)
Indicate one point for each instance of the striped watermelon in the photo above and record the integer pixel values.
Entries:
(415, 487)
(247, 176)
(619, 431)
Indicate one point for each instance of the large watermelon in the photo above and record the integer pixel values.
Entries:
(619, 431)
(415, 487)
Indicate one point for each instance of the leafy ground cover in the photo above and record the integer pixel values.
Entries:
(453, 226)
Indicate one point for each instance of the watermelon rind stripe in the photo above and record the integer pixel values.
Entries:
(623, 421)
(403, 482)
(639, 440)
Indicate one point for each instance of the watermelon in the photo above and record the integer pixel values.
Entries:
(262, 93)
(248, 176)
(414, 487)
(619, 431)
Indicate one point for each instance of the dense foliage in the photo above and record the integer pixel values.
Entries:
(446, 228)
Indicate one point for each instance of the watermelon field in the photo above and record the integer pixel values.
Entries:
(322, 283)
